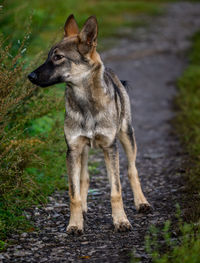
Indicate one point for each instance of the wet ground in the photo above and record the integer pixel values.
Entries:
(151, 59)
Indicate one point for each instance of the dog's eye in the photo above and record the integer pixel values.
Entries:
(57, 57)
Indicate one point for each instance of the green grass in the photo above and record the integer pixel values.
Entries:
(165, 247)
(188, 125)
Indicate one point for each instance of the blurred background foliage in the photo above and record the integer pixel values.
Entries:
(32, 147)
(48, 19)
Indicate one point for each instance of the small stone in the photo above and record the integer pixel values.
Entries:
(24, 234)
(49, 208)
(84, 243)
(19, 253)
(43, 259)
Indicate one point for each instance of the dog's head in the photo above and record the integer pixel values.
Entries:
(72, 58)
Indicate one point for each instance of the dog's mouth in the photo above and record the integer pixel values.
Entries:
(44, 84)
(34, 79)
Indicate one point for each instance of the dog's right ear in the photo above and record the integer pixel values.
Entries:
(71, 27)
(88, 35)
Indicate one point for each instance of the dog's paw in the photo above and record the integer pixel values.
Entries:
(74, 230)
(145, 208)
(122, 226)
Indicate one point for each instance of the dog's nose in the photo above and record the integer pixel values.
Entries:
(32, 76)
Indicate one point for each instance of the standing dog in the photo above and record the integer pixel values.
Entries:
(97, 113)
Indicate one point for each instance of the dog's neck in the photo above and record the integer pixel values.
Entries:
(90, 85)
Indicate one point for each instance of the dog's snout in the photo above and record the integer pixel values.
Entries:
(32, 76)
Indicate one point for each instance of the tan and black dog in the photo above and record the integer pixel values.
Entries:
(97, 114)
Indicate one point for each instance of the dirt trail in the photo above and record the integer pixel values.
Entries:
(151, 60)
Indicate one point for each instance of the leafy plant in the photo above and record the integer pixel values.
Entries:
(168, 245)
(21, 106)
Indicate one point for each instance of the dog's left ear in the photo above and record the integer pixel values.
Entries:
(71, 27)
(88, 35)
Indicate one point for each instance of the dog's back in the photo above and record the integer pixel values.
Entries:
(121, 97)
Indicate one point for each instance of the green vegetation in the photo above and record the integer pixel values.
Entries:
(185, 247)
(182, 248)
(187, 124)
(28, 150)
(32, 148)
(48, 19)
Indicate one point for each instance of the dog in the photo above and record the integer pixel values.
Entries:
(97, 114)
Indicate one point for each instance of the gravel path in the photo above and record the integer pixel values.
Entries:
(151, 60)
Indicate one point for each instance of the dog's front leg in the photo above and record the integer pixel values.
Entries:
(84, 179)
(120, 220)
(74, 167)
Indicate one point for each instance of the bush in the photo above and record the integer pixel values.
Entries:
(24, 109)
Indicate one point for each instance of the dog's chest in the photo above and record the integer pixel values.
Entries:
(85, 118)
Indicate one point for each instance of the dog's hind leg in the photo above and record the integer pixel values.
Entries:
(120, 220)
(127, 139)
(84, 178)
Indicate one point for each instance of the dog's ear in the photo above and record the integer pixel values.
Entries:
(88, 35)
(71, 27)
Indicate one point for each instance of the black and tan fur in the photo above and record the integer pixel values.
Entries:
(97, 114)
